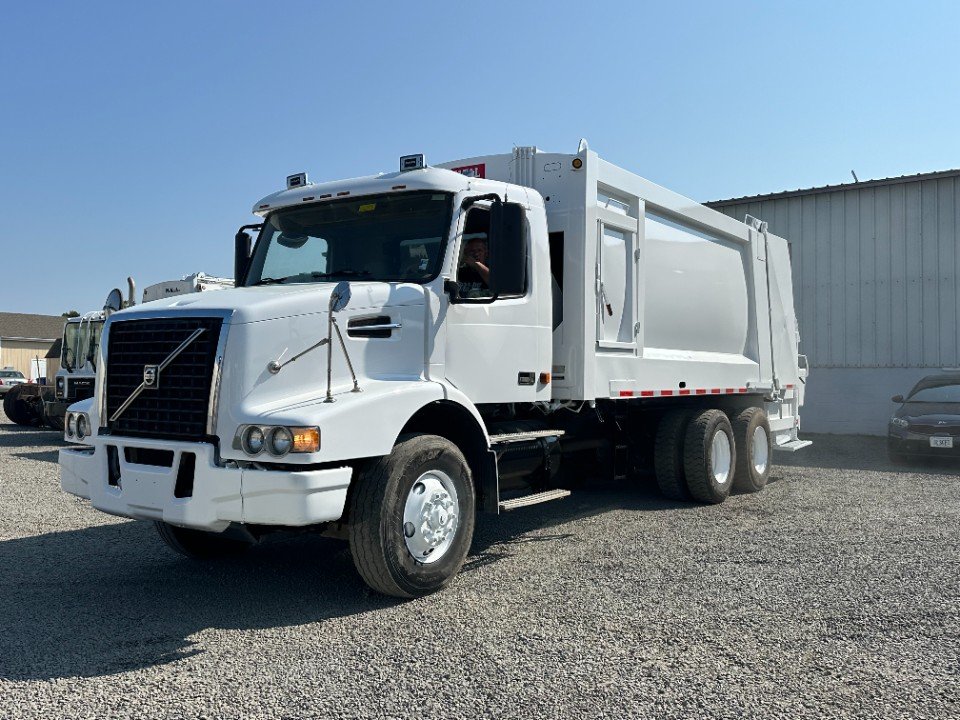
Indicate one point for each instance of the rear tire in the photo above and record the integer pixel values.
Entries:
(404, 503)
(709, 457)
(668, 455)
(199, 544)
(754, 450)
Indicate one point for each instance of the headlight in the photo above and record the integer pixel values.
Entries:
(253, 440)
(71, 424)
(899, 422)
(281, 440)
(83, 427)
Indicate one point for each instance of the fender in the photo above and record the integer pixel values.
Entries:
(360, 425)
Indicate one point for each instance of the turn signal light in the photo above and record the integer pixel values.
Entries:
(305, 439)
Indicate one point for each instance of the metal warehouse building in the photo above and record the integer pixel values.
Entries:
(876, 272)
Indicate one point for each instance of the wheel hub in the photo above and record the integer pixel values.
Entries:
(760, 450)
(430, 519)
(720, 457)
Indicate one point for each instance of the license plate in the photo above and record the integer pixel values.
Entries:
(941, 442)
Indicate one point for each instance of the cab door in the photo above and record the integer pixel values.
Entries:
(497, 341)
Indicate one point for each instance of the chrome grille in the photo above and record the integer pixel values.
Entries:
(177, 408)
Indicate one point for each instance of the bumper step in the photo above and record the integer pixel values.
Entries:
(535, 499)
(793, 445)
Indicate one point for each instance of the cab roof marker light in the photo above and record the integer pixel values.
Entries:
(298, 180)
(344, 192)
(413, 162)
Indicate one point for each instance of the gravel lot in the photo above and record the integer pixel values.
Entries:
(835, 592)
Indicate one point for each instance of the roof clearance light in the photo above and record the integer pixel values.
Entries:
(412, 162)
(577, 163)
(298, 180)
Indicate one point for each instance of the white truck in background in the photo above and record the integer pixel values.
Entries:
(80, 346)
(406, 349)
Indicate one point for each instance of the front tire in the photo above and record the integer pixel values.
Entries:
(411, 517)
(709, 457)
(199, 544)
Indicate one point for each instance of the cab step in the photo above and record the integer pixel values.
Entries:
(505, 438)
(535, 499)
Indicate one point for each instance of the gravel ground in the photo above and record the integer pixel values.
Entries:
(835, 592)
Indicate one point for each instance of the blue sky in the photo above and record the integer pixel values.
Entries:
(135, 137)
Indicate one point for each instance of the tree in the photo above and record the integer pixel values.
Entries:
(70, 314)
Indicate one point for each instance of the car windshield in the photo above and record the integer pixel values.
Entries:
(11, 374)
(395, 237)
(938, 394)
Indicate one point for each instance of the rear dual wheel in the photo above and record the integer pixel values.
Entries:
(701, 455)
(709, 457)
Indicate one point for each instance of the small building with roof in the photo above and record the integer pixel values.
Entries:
(26, 339)
(876, 276)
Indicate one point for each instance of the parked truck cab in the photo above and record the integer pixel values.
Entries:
(404, 350)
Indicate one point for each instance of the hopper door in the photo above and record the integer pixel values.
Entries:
(616, 270)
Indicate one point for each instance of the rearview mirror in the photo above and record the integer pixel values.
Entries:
(508, 252)
(340, 296)
(897, 398)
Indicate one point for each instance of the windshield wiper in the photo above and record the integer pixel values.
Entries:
(345, 272)
(271, 281)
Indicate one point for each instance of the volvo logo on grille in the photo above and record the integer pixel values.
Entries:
(151, 377)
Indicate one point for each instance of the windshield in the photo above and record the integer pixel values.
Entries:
(81, 343)
(395, 237)
(941, 394)
(11, 374)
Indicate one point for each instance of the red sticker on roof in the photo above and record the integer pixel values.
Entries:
(477, 171)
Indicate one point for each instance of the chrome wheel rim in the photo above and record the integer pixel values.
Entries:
(720, 457)
(760, 450)
(430, 517)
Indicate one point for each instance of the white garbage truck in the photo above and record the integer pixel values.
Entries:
(405, 350)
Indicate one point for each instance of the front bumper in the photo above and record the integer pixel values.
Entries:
(219, 496)
(908, 443)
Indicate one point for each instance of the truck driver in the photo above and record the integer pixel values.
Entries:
(473, 275)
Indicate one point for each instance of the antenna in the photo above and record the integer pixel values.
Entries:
(855, 178)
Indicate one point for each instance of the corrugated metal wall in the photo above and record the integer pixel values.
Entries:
(876, 271)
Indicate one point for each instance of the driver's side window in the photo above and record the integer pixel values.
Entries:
(473, 267)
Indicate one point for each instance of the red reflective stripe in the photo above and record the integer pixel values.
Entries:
(701, 391)
(743, 390)
(646, 393)
(716, 391)
(684, 392)
(789, 387)
(666, 392)
(626, 393)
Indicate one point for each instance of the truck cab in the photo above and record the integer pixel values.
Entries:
(76, 376)
(403, 350)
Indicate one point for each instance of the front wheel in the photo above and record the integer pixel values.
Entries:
(411, 517)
